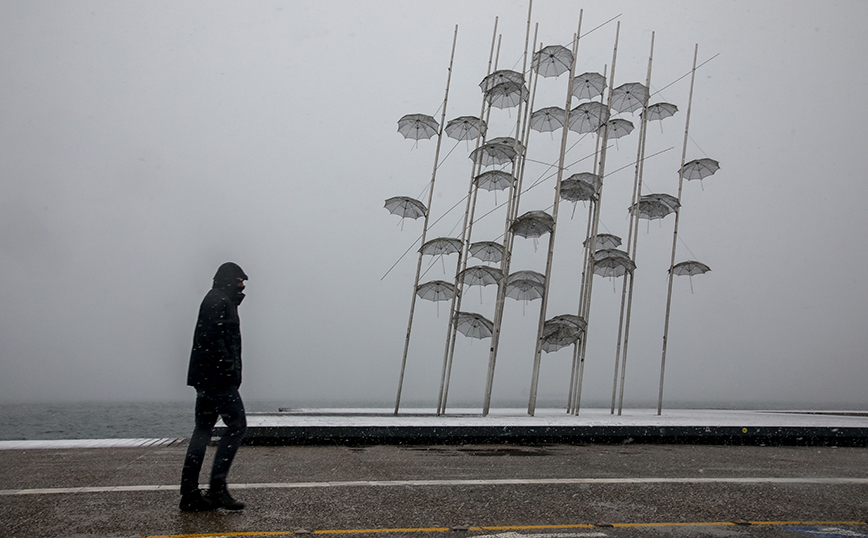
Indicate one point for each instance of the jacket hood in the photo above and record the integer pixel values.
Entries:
(228, 276)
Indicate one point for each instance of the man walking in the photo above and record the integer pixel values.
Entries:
(215, 372)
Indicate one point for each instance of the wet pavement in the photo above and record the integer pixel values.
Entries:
(557, 490)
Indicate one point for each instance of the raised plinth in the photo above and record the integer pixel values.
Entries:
(461, 426)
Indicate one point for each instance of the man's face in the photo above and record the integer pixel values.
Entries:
(241, 285)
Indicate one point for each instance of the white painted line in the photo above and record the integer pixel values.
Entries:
(85, 443)
(429, 483)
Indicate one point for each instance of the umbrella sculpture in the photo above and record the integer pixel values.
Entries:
(570, 319)
(509, 141)
(487, 251)
(612, 263)
(473, 325)
(618, 128)
(610, 253)
(524, 289)
(440, 246)
(561, 331)
(667, 199)
(418, 126)
(405, 207)
(533, 224)
(494, 180)
(605, 241)
(588, 117)
(690, 268)
(465, 128)
(552, 61)
(480, 275)
(525, 286)
(629, 97)
(526, 275)
(546, 120)
(650, 209)
(492, 153)
(699, 168)
(661, 111)
(588, 85)
(581, 186)
(507, 95)
(499, 77)
(436, 290)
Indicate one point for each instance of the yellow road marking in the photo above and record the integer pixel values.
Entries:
(507, 528)
(368, 531)
(536, 527)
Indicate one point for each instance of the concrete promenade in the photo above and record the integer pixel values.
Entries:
(544, 490)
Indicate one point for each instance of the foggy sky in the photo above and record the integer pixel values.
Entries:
(144, 143)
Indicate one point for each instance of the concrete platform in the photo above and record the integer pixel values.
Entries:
(464, 426)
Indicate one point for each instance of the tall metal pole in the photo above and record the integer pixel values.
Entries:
(592, 240)
(531, 408)
(675, 232)
(425, 225)
(466, 230)
(575, 395)
(634, 233)
(511, 208)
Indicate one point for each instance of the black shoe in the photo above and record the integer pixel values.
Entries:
(194, 501)
(222, 499)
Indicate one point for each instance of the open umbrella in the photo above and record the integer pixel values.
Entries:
(699, 168)
(508, 141)
(436, 290)
(494, 180)
(480, 275)
(418, 126)
(667, 199)
(533, 224)
(465, 128)
(581, 186)
(588, 85)
(569, 319)
(499, 77)
(524, 289)
(526, 275)
(492, 153)
(588, 117)
(629, 97)
(547, 119)
(507, 95)
(605, 241)
(473, 325)
(440, 246)
(552, 61)
(661, 111)
(613, 265)
(610, 253)
(562, 331)
(405, 207)
(651, 209)
(690, 268)
(487, 251)
(617, 128)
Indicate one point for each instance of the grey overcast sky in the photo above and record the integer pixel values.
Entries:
(143, 143)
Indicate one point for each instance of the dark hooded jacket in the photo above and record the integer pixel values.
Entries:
(215, 361)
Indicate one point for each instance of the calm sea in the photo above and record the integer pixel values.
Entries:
(103, 420)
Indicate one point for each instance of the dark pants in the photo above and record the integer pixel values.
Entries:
(211, 403)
